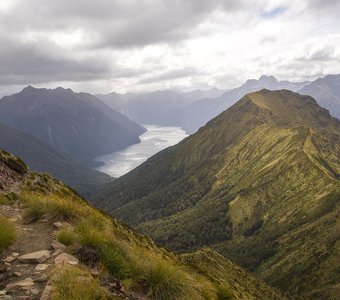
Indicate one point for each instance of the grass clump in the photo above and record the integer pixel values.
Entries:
(55, 206)
(114, 262)
(73, 283)
(66, 237)
(8, 233)
(223, 293)
(164, 281)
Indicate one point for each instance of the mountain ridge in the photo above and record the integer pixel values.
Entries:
(248, 179)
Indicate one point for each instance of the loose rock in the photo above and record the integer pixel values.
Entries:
(41, 267)
(35, 257)
(28, 282)
(64, 259)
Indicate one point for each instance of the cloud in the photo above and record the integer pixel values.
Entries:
(155, 44)
(274, 12)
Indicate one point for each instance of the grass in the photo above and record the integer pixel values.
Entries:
(73, 283)
(114, 262)
(223, 293)
(121, 253)
(66, 237)
(8, 233)
(57, 207)
(164, 281)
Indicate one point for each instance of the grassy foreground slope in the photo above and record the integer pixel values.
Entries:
(111, 254)
(260, 183)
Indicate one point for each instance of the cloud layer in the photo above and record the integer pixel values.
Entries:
(131, 45)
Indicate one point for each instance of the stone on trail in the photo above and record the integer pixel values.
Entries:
(65, 259)
(28, 282)
(35, 257)
(41, 267)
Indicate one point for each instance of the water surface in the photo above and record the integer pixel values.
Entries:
(155, 139)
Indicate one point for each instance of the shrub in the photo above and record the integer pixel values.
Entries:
(223, 293)
(66, 237)
(72, 283)
(8, 233)
(163, 281)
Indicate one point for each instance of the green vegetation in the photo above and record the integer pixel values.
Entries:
(8, 233)
(223, 293)
(66, 237)
(76, 284)
(164, 281)
(254, 184)
(115, 250)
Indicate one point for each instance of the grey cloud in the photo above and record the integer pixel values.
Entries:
(170, 75)
(118, 23)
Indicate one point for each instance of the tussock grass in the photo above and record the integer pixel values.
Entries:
(8, 233)
(66, 237)
(122, 254)
(163, 280)
(73, 283)
(114, 262)
(53, 205)
(223, 293)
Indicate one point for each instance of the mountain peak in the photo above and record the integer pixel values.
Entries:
(266, 78)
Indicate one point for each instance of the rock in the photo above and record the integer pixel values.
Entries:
(47, 293)
(6, 297)
(2, 293)
(15, 254)
(9, 259)
(18, 274)
(41, 267)
(8, 266)
(56, 253)
(58, 225)
(35, 257)
(64, 258)
(58, 246)
(28, 282)
(34, 291)
(40, 278)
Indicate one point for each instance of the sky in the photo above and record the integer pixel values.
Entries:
(144, 45)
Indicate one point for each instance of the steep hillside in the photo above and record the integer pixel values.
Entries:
(260, 183)
(326, 91)
(41, 158)
(75, 124)
(53, 245)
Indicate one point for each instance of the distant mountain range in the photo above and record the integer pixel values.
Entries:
(260, 183)
(194, 109)
(77, 125)
(327, 92)
(41, 158)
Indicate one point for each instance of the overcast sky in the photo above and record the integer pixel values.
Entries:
(143, 45)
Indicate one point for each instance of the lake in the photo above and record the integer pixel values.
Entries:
(155, 139)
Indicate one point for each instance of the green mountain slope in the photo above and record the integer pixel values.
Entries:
(41, 158)
(259, 183)
(114, 262)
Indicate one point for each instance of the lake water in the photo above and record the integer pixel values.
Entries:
(155, 139)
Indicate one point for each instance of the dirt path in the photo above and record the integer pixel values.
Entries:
(32, 237)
